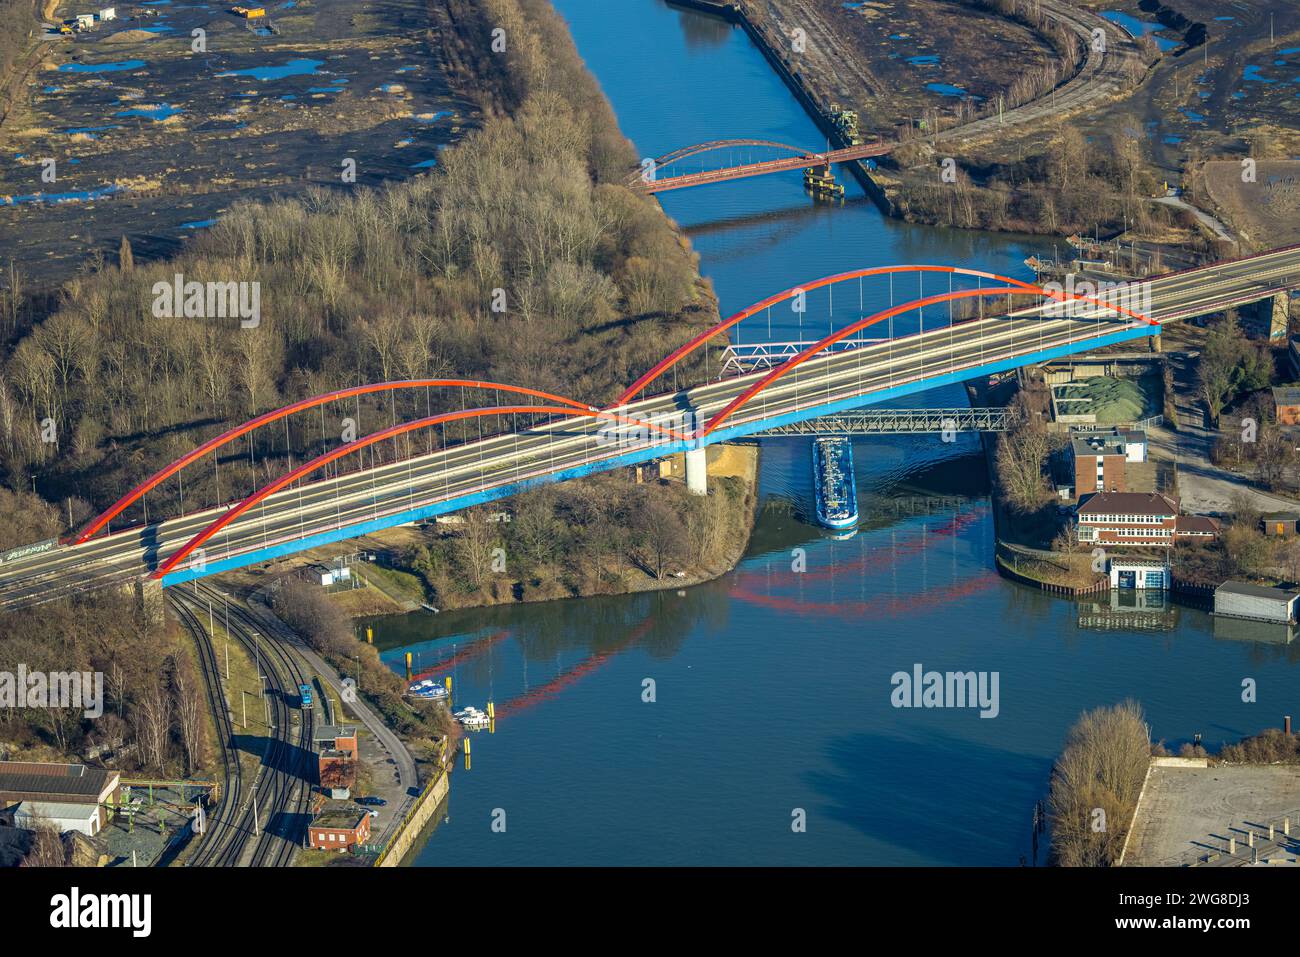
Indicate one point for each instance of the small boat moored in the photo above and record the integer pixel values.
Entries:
(472, 719)
(428, 689)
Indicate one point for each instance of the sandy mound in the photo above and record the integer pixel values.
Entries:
(129, 36)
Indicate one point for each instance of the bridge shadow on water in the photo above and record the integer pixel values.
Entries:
(915, 793)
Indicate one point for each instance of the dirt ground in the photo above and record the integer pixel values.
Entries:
(155, 141)
(1267, 207)
(898, 61)
(1189, 813)
(1234, 96)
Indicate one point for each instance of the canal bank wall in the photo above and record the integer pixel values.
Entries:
(420, 813)
(735, 13)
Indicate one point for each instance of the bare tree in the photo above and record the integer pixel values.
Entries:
(187, 685)
(1095, 785)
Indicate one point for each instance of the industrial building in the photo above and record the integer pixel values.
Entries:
(1256, 602)
(1097, 459)
(335, 744)
(89, 790)
(63, 817)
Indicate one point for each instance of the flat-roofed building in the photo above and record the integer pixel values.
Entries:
(1139, 573)
(335, 744)
(1256, 602)
(338, 827)
(1098, 459)
(63, 817)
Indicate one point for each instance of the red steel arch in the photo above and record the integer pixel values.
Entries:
(402, 428)
(889, 313)
(687, 151)
(229, 436)
(682, 351)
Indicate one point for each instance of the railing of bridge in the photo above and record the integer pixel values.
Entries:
(741, 357)
(898, 422)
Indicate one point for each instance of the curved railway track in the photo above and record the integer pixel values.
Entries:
(218, 824)
(281, 792)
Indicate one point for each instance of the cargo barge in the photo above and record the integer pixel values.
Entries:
(836, 490)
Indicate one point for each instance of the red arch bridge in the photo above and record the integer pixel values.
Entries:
(552, 438)
(739, 162)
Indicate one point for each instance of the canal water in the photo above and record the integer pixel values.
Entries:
(772, 686)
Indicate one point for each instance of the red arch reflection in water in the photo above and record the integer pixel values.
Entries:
(911, 546)
(476, 648)
(857, 610)
(564, 679)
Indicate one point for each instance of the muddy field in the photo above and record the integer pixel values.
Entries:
(1267, 207)
(1216, 96)
(897, 62)
(155, 141)
(1205, 106)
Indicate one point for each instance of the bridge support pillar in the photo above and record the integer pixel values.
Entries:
(1154, 342)
(1279, 316)
(697, 475)
(149, 598)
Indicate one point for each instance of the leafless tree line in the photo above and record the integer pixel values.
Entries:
(1095, 785)
(154, 712)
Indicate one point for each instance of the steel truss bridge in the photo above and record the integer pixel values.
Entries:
(544, 438)
(896, 422)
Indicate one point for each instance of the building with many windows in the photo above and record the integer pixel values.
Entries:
(1139, 519)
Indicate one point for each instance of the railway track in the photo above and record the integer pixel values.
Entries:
(223, 818)
(281, 794)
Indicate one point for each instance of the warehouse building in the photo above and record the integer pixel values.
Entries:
(62, 817)
(59, 784)
(1256, 602)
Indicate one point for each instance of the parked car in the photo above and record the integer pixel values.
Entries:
(372, 801)
(371, 811)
